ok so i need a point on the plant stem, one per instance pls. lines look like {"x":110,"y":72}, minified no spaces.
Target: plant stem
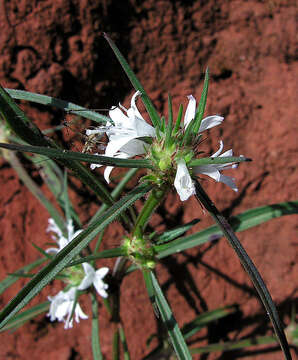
{"x":155,"y":198}
{"x":248,"y":265}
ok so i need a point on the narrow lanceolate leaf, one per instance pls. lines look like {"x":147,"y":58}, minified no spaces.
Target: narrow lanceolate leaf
{"x":109,"y":253}
{"x":169,"y":128}
{"x":40,"y":280}
{"x":136,"y":83}
{"x":11,"y":279}
{"x":169,"y":321}
{"x":73,"y":155}
{"x":96,"y":351}
{"x":27,"y":131}
{"x":248,"y":266}
{"x":26,"y":315}
{"x":124,"y":342}
{"x":218,"y":160}
{"x":202,"y":104}
{"x":60,"y":104}
{"x":18,"y":121}
{"x":205,"y":319}
{"x":244,"y":221}
{"x":173,"y":234}
{"x":178,"y":120}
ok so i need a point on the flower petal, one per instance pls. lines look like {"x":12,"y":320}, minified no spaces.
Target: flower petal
{"x":210,"y":121}
{"x":190,"y":111}
{"x":183,"y":181}
{"x":102,"y":272}
{"x":228,"y":180}
{"x":100,"y":287}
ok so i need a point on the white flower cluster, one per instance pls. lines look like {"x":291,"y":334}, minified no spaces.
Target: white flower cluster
{"x":62,"y":304}
{"x":124,"y":142}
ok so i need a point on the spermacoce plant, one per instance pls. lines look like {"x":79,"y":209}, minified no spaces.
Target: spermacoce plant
{"x":171,"y":153}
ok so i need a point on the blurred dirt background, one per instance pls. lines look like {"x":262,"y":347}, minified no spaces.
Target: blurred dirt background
{"x":56,"y":48}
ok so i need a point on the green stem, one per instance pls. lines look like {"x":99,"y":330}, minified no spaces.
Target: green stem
{"x":248,"y":265}
{"x":155,"y":198}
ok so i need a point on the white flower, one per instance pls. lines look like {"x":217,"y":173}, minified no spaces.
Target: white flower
{"x":59,"y":238}
{"x":183,"y":182}
{"x":207,"y":123}
{"x":124,"y":133}
{"x":213,"y":170}
{"x":61,"y":308}
{"x":95,"y":278}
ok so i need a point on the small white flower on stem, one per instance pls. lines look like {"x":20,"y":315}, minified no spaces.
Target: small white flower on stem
{"x":128,"y":125}
{"x":214,"y":170}
{"x":207,"y":123}
{"x":95,"y":278}
{"x":183,"y":181}
{"x":59,"y":238}
{"x":61,"y":308}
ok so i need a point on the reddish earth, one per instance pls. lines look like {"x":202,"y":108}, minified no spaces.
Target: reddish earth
{"x":55,"y":48}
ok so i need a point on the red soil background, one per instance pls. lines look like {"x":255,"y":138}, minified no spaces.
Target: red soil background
{"x":56,"y":48}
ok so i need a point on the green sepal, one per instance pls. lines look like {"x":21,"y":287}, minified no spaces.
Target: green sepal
{"x":202,"y":104}
{"x":178,"y":120}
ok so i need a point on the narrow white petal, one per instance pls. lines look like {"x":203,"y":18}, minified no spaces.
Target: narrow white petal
{"x":227,"y":153}
{"x":210,"y":121}
{"x":209,"y":170}
{"x":190,"y":110}
{"x":89,"y":269}
{"x":183,"y":182}
{"x":118,"y":117}
{"x":79,"y":313}
{"x":107,"y":173}
{"x":52,"y":250}
{"x":100,"y":287}
{"x":228,"y":180}
{"x":134,"y":106}
{"x":134,"y":147}
{"x":116,"y":142}
{"x":53,"y":227}
{"x":102,"y":272}
{"x":217,"y":153}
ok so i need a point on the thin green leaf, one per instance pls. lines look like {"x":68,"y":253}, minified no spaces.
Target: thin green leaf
{"x":109,"y":253}
{"x":169,"y":128}
{"x":202,"y":104}
{"x":218,"y":160}
{"x":116,"y":348}
{"x":248,"y":265}
{"x":178,"y":121}
{"x":135,"y":82}
{"x":27,"y":131}
{"x":241,"y":222}
{"x":44,"y":253}
{"x":64,"y":257}
{"x":169,"y":321}
{"x":66,"y":201}
{"x":124,"y":342}
{"x":173,"y":234}
{"x":26,"y":315}
{"x":60,"y":104}
{"x":73,"y":155}
{"x":10,"y":279}
{"x":96,"y":351}
{"x":205,"y":319}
